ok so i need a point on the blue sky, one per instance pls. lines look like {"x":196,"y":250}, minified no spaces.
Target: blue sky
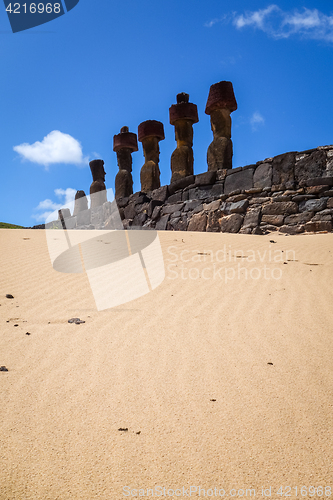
{"x":69,"y":85}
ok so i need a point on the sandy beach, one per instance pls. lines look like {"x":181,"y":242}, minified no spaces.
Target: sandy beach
{"x":222,"y":375}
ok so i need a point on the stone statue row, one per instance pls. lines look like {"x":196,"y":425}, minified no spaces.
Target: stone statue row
{"x":221,"y":103}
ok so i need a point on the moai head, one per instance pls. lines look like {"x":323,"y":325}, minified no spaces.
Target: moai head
{"x":97,"y":170}
{"x":182,"y":116}
{"x":124,"y":144}
{"x":81,"y":202}
{"x":220,"y":103}
{"x":97,"y":188}
{"x":150,"y":133}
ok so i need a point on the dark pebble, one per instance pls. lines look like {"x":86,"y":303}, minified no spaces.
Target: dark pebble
{"x":269,"y":363}
{"x":213,"y":399}
{"x":124,"y":430}
{"x":272,"y":241}
{"x":9,"y":296}
{"x":3,"y":369}
{"x":77,"y":321}
{"x":15,"y":325}
{"x":139,"y":432}
{"x":28,"y":333}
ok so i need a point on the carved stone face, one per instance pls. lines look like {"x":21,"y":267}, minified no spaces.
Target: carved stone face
{"x":184,"y":133}
{"x":220,"y":121}
{"x":151,"y":149}
{"x":124,"y":159}
{"x":97,"y":170}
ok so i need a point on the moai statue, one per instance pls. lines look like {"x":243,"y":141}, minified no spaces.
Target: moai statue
{"x":182,"y":116}
{"x":124,"y":144}
{"x":220,"y":103}
{"x":150,"y":133}
{"x":97,"y":188}
{"x":81,"y":202}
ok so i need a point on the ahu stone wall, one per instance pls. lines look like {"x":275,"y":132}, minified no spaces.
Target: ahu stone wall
{"x":291,"y":193}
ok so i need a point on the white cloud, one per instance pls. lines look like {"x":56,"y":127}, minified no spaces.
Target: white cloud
{"x":256,"y":18}
{"x":211,"y":23}
{"x":308,"y":23}
{"x":256,"y":120}
{"x":66,"y":196}
{"x":56,"y":147}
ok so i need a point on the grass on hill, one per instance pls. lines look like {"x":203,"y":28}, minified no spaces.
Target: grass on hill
{"x":5,"y":225}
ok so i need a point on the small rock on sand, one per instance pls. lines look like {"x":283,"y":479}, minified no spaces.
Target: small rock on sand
{"x":77,"y":321}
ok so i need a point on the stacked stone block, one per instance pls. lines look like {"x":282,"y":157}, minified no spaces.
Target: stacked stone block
{"x":241,"y":200}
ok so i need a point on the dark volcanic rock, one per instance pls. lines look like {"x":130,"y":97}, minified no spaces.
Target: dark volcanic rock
{"x":161,"y":224}
{"x":313,"y":205}
{"x":239,"y":207}
{"x":181,"y":184}
{"x":311,"y":166}
{"x":280,"y":208}
{"x":160,"y":194}
{"x":169,"y":209}
{"x":139,"y":219}
{"x":252,"y":218}
{"x":275,"y":220}
{"x":239,"y":180}
{"x":130,"y":211}
{"x":175,"y":197}
{"x":292,"y":229}
{"x":317,"y":226}
{"x":231,"y":223}
{"x":283,"y":169}
{"x":298,"y":218}
{"x":198,"y":222}
{"x":262,"y":176}
{"x":214,"y":221}
{"x":205,"y":179}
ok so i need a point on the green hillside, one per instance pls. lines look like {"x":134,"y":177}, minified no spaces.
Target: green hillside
{"x":5,"y":225}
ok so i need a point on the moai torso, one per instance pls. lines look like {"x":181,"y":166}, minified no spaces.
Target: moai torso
{"x":220,"y":104}
{"x":150,"y":133}
{"x":124,"y":144}
{"x":182,"y":116}
{"x":97,"y":188}
{"x":81,"y":202}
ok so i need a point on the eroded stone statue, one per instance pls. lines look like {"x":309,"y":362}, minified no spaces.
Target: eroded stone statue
{"x":81,"y":202}
{"x":183,"y":115}
{"x":124,"y":144}
{"x":97,"y":188}
{"x":150,"y":133}
{"x":221,"y":103}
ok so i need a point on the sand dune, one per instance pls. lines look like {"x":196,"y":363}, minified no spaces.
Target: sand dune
{"x":222,"y":375}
